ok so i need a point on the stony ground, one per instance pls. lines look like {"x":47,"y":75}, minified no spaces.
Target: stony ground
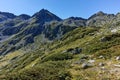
{"x":98,"y":69}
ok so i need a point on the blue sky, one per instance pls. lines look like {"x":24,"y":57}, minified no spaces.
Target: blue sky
{"x":62,"y":8}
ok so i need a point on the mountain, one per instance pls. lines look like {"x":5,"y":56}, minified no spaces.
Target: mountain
{"x":100,"y":19}
{"x":45,"y":16}
{"x":5,"y":16}
{"x":46,"y":47}
{"x":75,"y":21}
{"x":23,"y":29}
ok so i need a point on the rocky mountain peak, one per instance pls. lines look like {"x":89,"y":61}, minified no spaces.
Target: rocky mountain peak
{"x":5,"y":15}
{"x":44,"y":11}
{"x":76,"y":18}
{"x":24,"y":16}
{"x":8,"y":15}
{"x":118,"y":14}
{"x":98,"y":14}
{"x":46,"y":16}
{"x":75,"y":21}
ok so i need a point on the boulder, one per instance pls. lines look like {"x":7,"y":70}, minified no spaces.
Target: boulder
{"x":84,"y":57}
{"x":101,"y":57}
{"x":80,"y":61}
{"x":118,"y":58}
{"x":103,"y":39}
{"x":101,"y":64}
{"x":70,"y":50}
{"x":86,"y":65}
{"x":76,"y":50}
{"x":91,"y":61}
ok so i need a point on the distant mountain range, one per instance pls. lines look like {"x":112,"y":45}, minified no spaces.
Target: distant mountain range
{"x":22,"y":29}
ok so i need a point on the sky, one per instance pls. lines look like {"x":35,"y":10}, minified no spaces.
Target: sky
{"x":62,"y":8}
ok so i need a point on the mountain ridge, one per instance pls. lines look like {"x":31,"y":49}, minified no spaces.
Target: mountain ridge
{"x":47,"y":24}
{"x":46,"y":47}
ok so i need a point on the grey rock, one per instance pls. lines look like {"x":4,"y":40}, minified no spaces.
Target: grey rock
{"x":80,"y":61}
{"x":118,"y":58}
{"x":91,"y":61}
{"x":101,"y":57}
{"x":86,"y":65}
{"x":76,"y":50}
{"x":103,"y":39}
{"x":101,"y":64}
{"x":84,"y":57}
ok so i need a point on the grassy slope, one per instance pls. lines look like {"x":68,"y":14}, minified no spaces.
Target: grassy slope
{"x":50,"y":64}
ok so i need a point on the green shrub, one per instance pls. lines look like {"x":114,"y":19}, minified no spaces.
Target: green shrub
{"x":97,"y":45}
{"x":46,"y":71}
{"x":57,"y":57}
